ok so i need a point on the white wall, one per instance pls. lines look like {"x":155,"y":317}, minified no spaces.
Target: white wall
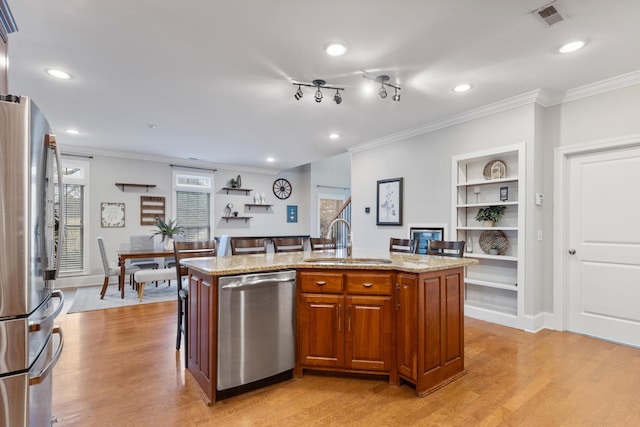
{"x":105,"y":171}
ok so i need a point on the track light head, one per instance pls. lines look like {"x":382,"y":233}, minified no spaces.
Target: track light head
{"x":396,"y":96}
{"x":382,"y":92}
{"x":318,"y":96}
{"x":298,"y":94}
{"x":337,"y":98}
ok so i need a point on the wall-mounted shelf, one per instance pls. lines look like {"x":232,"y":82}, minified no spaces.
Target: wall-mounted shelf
{"x":253,"y":205}
{"x":245,"y":218}
{"x":123,"y":185}
{"x":246,"y":190}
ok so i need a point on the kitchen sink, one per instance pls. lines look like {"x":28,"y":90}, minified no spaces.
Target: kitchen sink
{"x":348,"y":260}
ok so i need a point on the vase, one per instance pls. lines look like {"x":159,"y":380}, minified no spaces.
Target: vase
{"x":488,"y":223}
{"x":168,"y":243}
{"x":494,"y":251}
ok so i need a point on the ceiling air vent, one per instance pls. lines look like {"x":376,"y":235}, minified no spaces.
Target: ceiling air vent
{"x":549,"y":14}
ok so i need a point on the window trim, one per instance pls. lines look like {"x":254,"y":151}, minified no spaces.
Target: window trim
{"x":85,"y":218}
{"x":195,"y":189}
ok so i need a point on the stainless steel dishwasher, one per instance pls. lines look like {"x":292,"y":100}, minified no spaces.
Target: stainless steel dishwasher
{"x":256,"y":327}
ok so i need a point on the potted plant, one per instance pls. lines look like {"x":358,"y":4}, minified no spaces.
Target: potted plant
{"x":490,"y":215}
{"x":233,"y":182}
{"x":167,"y":229}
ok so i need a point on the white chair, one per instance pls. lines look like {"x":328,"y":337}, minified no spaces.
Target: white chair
{"x":111,"y":271}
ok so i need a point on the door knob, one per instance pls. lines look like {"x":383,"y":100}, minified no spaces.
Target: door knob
{"x":572,"y":251}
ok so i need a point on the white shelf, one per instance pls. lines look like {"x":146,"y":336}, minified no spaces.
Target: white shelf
{"x":480,"y":205}
{"x":487,"y":181}
{"x":489,"y":256}
{"x":494,"y":288}
{"x":488,"y":228}
{"x":506,"y":286}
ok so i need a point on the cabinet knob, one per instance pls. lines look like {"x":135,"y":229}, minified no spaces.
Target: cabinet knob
{"x":572,"y":251}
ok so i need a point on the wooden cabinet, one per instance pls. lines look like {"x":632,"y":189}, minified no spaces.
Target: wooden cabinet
{"x":202,"y":332}
{"x":430,"y":328}
{"x":345,"y":321}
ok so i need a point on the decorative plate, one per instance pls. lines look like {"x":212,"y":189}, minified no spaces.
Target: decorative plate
{"x":112,"y":215}
{"x":494,"y":239}
{"x":487,"y":169}
{"x":282,"y":188}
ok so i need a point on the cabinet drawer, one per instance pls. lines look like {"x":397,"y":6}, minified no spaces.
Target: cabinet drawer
{"x":370,"y":283}
{"x":321,"y":282}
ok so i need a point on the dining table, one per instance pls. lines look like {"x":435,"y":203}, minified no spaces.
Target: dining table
{"x":124,"y":255}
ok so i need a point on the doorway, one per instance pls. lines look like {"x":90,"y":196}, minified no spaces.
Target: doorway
{"x":598,"y":257}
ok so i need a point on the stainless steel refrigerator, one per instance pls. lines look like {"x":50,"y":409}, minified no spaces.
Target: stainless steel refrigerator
{"x":31,"y":231}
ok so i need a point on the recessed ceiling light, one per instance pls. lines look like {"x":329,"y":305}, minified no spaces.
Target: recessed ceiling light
{"x":270,"y":159}
{"x":72,"y":131}
{"x":571,"y":46}
{"x":152,"y":125}
{"x":58,"y":74}
{"x":336,"y":49}
{"x":334,"y":135}
{"x":462,"y":87}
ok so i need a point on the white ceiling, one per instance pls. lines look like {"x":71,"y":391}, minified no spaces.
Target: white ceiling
{"x":215,"y":76}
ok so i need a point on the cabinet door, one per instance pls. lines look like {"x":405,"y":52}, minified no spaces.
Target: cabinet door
{"x":321,"y":330}
{"x":406,"y":325}
{"x":368,"y":342}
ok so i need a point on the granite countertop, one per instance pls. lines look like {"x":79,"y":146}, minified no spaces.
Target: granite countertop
{"x":330,"y":259}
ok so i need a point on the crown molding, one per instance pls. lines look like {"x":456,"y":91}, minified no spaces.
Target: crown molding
{"x":602,"y":86}
{"x":78,"y":150}
{"x":542,"y":97}
{"x":476,"y":113}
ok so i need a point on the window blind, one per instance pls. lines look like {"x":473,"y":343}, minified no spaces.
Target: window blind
{"x":193,"y":215}
{"x":73,"y":247}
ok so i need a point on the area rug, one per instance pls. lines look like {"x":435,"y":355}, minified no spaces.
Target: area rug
{"x":88,"y":298}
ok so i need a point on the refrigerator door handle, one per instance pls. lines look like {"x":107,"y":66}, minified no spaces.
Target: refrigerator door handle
{"x":43,"y":374}
{"x":52,"y":274}
{"x":36,"y":326}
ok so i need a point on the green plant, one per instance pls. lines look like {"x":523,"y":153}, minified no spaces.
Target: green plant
{"x":167,"y":228}
{"x":490,"y":213}
{"x":233,"y":182}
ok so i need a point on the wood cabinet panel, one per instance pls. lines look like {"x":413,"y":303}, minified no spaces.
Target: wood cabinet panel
{"x":407,"y":325}
{"x":203,"y":332}
{"x":320,"y":282}
{"x":369,"y":283}
{"x":321,"y":330}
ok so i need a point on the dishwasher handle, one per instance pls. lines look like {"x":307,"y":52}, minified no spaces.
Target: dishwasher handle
{"x":243,"y":285}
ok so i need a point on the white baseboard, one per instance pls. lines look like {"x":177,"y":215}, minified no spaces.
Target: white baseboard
{"x":80,"y":281}
{"x":538,"y":322}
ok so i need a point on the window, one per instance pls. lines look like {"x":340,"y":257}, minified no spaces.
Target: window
{"x":74,"y":198}
{"x":193,"y":204}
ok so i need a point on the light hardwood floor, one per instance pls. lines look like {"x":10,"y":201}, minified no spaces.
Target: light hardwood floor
{"x":119,"y":367}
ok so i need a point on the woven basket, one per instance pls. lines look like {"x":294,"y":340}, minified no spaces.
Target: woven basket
{"x":494,"y":238}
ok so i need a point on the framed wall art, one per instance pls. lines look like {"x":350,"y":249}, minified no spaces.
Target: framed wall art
{"x":292,"y":213}
{"x":112,"y":215}
{"x":389,"y":202}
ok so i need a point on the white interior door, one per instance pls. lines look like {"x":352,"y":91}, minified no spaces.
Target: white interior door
{"x":603,"y":294}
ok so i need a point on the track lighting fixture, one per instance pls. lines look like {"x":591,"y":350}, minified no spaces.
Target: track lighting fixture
{"x":337,"y":98}
{"x":384,"y":81}
{"x":318,"y":84}
{"x":396,"y":96}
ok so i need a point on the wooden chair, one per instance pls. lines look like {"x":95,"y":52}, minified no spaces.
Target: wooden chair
{"x":111,"y":271}
{"x":406,"y":246}
{"x":181,"y":251}
{"x":444,"y":248}
{"x":248,"y":245}
{"x":320,"y":244}
{"x":288,"y":244}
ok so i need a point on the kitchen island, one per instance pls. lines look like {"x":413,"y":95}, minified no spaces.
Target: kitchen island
{"x":391,"y":314}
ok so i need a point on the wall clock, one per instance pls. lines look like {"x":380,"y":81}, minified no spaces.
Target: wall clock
{"x":282,"y":188}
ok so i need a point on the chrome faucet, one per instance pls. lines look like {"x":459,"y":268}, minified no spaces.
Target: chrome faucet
{"x":335,"y":221}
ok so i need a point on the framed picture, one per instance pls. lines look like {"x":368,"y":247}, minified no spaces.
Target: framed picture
{"x":112,"y":215}
{"x":292,"y":213}
{"x":504,"y":194}
{"x":389,"y":202}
